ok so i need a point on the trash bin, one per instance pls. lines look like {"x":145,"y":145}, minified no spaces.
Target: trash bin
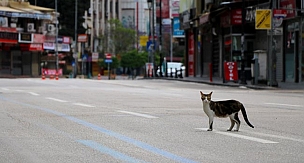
{"x":260,"y":57}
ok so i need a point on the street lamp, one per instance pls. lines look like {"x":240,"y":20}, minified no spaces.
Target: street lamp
{"x":243,"y":78}
{"x":56,"y":37}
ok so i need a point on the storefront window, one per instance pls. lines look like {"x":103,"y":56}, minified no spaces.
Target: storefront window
{"x":302,"y":47}
{"x":5,"y":62}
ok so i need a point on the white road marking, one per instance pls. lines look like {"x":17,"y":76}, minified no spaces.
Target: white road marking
{"x":275,"y":136}
{"x":54,"y":99}
{"x":85,"y":105}
{"x":138,"y":114}
{"x":5,"y":89}
{"x":34,"y":94}
{"x":264,"y":141}
{"x":283,"y":104}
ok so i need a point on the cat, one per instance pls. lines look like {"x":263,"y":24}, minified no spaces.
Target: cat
{"x":222,"y":109}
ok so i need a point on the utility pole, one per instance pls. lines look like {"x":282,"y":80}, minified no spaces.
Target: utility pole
{"x":75,"y":39}
{"x":160,"y":38}
{"x":272,"y":53}
{"x":56,"y":36}
{"x":243,"y":78}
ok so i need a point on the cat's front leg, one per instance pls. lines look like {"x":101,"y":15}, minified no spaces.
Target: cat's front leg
{"x":210,"y":123}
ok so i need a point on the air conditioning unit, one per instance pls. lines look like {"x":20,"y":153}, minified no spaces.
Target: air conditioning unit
{"x":3,"y":22}
{"x":50,"y":27}
{"x":31,"y":27}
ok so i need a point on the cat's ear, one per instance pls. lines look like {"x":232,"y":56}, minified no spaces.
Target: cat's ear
{"x":210,"y":93}
{"x":201,"y":93}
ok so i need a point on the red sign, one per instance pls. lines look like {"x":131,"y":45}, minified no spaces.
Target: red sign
{"x":38,"y":38}
{"x":47,"y":71}
{"x":31,"y":47}
{"x":165,"y":8}
{"x":191,"y":54}
{"x":8,"y":29}
{"x":108,"y":56}
{"x":231,"y":71}
{"x":236,"y":17}
{"x":290,"y":6}
{"x":82,"y":38}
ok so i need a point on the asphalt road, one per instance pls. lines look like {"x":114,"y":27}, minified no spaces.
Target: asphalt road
{"x":79,"y":120}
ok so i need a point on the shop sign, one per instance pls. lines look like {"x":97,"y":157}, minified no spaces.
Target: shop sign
{"x":25,"y":38}
{"x":61,"y":47}
{"x":290,"y":6}
{"x":82,"y":37}
{"x":177,"y":32}
{"x":66,"y":40}
{"x":6,"y":37}
{"x":236,"y":17}
{"x":31,"y":47}
{"x":174,"y":8}
{"x":165,"y":9}
{"x":231,"y":71}
{"x":191,"y":54}
{"x":8,"y":29}
{"x":95,"y":57}
{"x":38,"y":38}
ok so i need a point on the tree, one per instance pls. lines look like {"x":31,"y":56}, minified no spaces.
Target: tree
{"x":133,"y":60}
{"x":117,"y":39}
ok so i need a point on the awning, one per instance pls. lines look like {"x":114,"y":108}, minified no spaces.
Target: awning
{"x":8,"y":9}
{"x":25,"y":6}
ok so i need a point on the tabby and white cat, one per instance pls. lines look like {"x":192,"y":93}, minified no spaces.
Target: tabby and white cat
{"x":222,"y":109}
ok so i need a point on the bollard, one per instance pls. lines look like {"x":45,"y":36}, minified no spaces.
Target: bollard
{"x":171,"y":74}
{"x":99,"y":77}
{"x":176,"y":73}
{"x":210,"y":71}
{"x":43,"y":77}
{"x":181,"y":73}
{"x":57,"y":78}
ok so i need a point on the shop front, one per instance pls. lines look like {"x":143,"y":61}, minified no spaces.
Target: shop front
{"x":8,"y":41}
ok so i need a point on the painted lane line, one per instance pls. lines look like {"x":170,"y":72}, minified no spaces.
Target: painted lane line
{"x":138,"y":114}
{"x":33,"y":93}
{"x":275,"y":136}
{"x":113,"y":134}
{"x":108,"y":151}
{"x":84,"y":105}
{"x":54,"y":99}
{"x":283,"y":104}
{"x":264,"y":141}
{"x":5,"y":89}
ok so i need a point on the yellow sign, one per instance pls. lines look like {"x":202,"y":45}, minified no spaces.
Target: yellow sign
{"x":263,"y":19}
{"x":143,"y":40}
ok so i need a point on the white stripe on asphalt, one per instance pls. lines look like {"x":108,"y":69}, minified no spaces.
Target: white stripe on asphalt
{"x":138,"y":114}
{"x":84,"y":105}
{"x":55,"y":99}
{"x":34,"y":94}
{"x":283,"y":104}
{"x":241,"y":136}
{"x":5,"y":89}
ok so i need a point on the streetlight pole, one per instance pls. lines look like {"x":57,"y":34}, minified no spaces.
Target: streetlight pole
{"x":56,"y":36}
{"x":160,"y":38}
{"x":75,"y":39}
{"x":151,"y":4}
{"x":243,"y":78}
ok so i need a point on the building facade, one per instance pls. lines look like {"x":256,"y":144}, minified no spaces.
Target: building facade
{"x":214,"y":32}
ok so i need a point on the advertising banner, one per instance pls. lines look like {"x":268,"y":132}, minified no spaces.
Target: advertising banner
{"x":177,"y":32}
{"x":191,"y":54}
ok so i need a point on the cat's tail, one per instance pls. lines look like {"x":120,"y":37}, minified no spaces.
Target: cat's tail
{"x":245,"y":116}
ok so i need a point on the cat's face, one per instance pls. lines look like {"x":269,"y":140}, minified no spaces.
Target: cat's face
{"x":206,"y":98}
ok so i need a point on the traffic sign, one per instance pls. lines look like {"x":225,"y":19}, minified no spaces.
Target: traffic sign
{"x":108,"y":56}
{"x":263,"y":19}
{"x":108,"y":60}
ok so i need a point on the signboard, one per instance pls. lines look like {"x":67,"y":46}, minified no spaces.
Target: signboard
{"x":177,"y":32}
{"x":149,"y":69}
{"x":108,"y":58}
{"x":174,"y":8}
{"x":47,"y":71}
{"x":95,"y":57}
{"x":191,"y":54}
{"x":278,"y":17}
{"x":25,"y":38}
{"x":231,"y":71}
{"x":82,"y":37}
{"x":263,"y":19}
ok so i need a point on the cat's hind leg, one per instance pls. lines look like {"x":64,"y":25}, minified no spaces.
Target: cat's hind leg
{"x":231,"y":117}
{"x":210,"y":123}
{"x":238,"y":122}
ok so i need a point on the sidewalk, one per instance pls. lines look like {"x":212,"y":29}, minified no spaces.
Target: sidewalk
{"x":219,"y":82}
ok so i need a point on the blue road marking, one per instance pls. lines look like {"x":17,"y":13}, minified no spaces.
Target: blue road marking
{"x":109,"y":151}
{"x":132,"y":141}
